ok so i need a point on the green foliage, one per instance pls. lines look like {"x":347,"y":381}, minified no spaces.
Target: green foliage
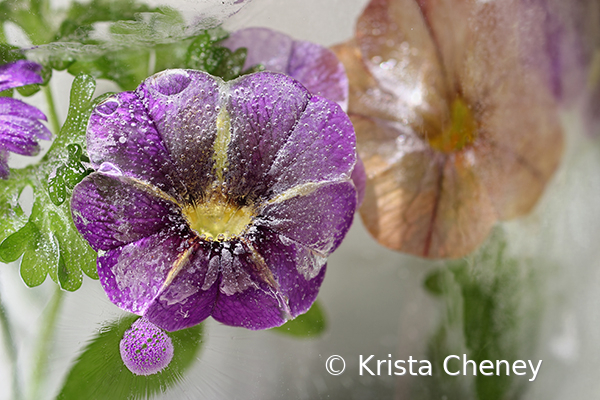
{"x":139,"y":41}
{"x":139,"y":47}
{"x":67,"y":175}
{"x":99,"y":372}
{"x":205,"y":54}
{"x":80,"y":18}
{"x":12,"y":217}
{"x":49,"y":241}
{"x":311,"y":324}
{"x":490,"y":313}
{"x":9,"y":53}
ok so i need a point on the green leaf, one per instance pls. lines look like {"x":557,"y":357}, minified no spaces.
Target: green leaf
{"x":15,"y":245}
{"x":57,"y":189}
{"x":125,"y":57}
{"x":56,"y":249}
{"x":9,"y":53}
{"x":205,"y":54}
{"x":155,"y":27}
{"x":12,"y":217}
{"x":67,"y":175}
{"x":311,"y":324}
{"x":127,"y":68}
{"x":40,"y":257}
{"x":81,"y":17}
{"x":99,"y":372}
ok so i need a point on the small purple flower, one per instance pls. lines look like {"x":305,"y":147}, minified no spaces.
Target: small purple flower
{"x":216,"y":198}
{"x":313,"y":65}
{"x":145,"y":348}
{"x":19,"y":122}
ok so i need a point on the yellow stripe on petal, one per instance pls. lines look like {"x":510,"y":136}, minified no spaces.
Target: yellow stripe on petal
{"x":303,"y":189}
{"x":222,"y":143}
{"x":178,"y":265}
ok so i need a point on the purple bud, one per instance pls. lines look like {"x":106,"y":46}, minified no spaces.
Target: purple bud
{"x":145,"y":348}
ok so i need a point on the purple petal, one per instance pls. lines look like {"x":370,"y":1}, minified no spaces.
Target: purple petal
{"x":184,"y":105}
{"x":23,"y":126}
{"x":4,"y":170}
{"x":317,"y":217}
{"x":133,"y":275}
{"x":246,"y":297}
{"x":359,"y":177}
{"x":189,"y":298}
{"x":290,"y":263}
{"x":263,"y":109}
{"x":145,"y":348}
{"x":10,"y":106}
{"x":19,"y":73}
{"x":121,"y":133}
{"x":315,"y":66}
{"x":113,"y":211}
{"x":323,"y":132}
{"x":265,"y":46}
{"x":13,"y":139}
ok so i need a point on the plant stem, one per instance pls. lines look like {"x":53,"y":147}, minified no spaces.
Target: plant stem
{"x":42,"y":350}
{"x":2,"y":34}
{"x":11,"y":350}
{"x":52,"y":108}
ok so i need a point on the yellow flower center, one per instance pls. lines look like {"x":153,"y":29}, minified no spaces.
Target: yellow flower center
{"x":459,"y":132}
{"x":218,"y":219}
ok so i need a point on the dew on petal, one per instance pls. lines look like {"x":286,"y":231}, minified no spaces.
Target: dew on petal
{"x":109,"y":168}
{"x":171,"y":82}
{"x":108,"y":107}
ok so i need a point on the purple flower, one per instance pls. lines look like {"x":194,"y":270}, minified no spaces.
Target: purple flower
{"x":313,"y":65}
{"x":216,"y":198}
{"x":145,"y":348}
{"x":19,"y":122}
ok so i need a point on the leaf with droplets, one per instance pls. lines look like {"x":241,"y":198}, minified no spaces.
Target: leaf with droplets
{"x":49,"y":242}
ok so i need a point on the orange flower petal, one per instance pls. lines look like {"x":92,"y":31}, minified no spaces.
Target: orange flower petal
{"x":417,"y":200}
{"x":397,"y":49}
{"x":455,"y":123}
{"x":520,"y":145}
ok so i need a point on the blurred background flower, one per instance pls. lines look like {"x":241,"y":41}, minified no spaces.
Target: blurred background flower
{"x":457,"y":129}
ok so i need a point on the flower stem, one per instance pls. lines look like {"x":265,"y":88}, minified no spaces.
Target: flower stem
{"x":42,"y":350}
{"x":2,"y":34}
{"x":11,"y":350}
{"x":52,"y":108}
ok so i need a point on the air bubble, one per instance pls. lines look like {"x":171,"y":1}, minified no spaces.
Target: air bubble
{"x":107,"y":107}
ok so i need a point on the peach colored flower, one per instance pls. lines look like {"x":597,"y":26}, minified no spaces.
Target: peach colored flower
{"x":455,"y":122}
